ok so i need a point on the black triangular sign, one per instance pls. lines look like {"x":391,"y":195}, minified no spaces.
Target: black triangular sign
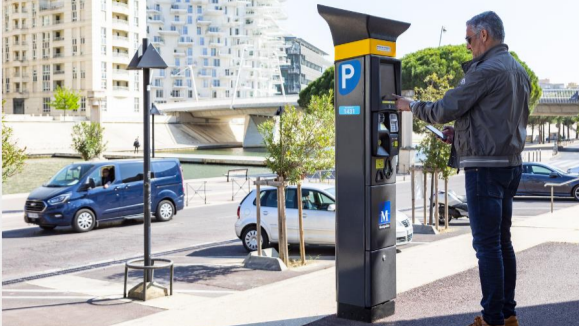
{"x":134,"y":62}
{"x":151,"y":59}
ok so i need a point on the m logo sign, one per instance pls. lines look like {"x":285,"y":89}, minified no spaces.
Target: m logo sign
{"x":348,"y":76}
{"x":385,"y":215}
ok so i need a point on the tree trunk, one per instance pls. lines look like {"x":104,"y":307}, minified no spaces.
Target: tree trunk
{"x":549,"y":135}
{"x":446,"y":203}
{"x":431,"y":198}
{"x":258,"y":215}
{"x":436,"y":214}
{"x":301,"y":221}
{"x":532,"y":133}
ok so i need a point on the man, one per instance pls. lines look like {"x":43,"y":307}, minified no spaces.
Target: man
{"x":106,"y":179}
{"x":136,"y":144}
{"x":490,"y":106}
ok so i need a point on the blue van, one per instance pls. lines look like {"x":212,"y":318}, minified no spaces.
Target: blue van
{"x":82,"y":195}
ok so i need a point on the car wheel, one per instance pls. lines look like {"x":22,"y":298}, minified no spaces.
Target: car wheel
{"x":165,"y":211}
{"x":575,"y":193}
{"x":47,"y":227}
{"x":84,"y":220}
{"x":249,"y":238}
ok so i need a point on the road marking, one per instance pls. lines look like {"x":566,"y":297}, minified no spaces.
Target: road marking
{"x":96,"y":291}
{"x":49,"y":298}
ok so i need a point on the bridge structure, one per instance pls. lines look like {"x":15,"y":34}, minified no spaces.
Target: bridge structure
{"x":558,"y":102}
{"x":219,"y":111}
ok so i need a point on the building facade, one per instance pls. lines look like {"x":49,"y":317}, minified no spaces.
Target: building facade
{"x":84,"y":45}
{"x":216,"y":48}
{"x":307,"y":63}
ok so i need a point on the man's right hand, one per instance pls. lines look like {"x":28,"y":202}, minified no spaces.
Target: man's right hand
{"x":448,"y":131}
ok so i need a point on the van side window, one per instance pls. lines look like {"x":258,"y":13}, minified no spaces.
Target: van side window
{"x":104,"y":175}
{"x":164,"y":169}
{"x":131,"y":172}
{"x":269,"y":198}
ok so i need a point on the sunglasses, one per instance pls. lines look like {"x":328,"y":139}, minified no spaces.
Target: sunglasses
{"x":469,"y":38}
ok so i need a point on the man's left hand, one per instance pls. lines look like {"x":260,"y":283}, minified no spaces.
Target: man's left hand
{"x":402,"y":103}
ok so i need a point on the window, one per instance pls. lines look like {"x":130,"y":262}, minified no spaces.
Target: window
{"x":190,"y":20}
{"x":46,"y":104}
{"x":540,"y":170}
{"x":314,"y":200}
{"x":159,"y":93}
{"x":104,"y":104}
{"x":137,"y":104}
{"x":198,"y":30}
{"x":99,"y":178}
{"x":74,"y":73}
{"x":190,"y":9}
{"x":213,"y":52}
{"x":201,"y":41}
{"x":103,"y":70}
{"x":164,"y":169}
{"x":217,"y":62}
{"x":269,"y":198}
{"x":205,"y":62}
{"x":199,"y":9}
{"x":83,"y":104}
{"x":136,"y":83}
{"x":177,"y":62}
{"x":185,"y":30}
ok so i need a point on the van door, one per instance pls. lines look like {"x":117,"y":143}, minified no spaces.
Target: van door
{"x":132,"y":184}
{"x":106,"y":202}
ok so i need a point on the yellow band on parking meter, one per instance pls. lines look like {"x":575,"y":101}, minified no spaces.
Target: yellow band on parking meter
{"x":364,"y":47}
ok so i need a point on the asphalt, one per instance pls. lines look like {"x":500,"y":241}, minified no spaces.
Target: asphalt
{"x":544,"y":297}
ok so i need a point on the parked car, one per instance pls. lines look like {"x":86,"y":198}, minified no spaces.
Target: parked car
{"x":536,"y":175}
{"x":319,"y":212}
{"x":82,"y":195}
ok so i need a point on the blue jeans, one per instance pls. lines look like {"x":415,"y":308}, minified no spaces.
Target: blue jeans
{"x":490,"y":194}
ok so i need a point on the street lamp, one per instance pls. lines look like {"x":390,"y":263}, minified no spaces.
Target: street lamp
{"x":442,"y":30}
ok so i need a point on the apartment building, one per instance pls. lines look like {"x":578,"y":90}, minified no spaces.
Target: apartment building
{"x":84,"y":45}
{"x":216,"y":48}
{"x":307,"y":64}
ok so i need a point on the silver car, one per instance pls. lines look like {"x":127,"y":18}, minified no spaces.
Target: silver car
{"x":319,"y":212}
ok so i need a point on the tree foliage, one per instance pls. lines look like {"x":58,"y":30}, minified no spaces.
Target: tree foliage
{"x":302,"y":144}
{"x":65,"y":99}
{"x":13,"y":157}
{"x":87,"y":140}
{"x":437,"y":153}
{"x":319,"y":87}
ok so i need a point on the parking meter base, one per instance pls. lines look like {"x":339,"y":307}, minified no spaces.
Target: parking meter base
{"x":367,"y":315}
{"x":154,"y":290}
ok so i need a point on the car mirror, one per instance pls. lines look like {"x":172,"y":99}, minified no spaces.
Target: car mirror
{"x":89,"y":184}
{"x":332,"y":208}
{"x":554,"y":175}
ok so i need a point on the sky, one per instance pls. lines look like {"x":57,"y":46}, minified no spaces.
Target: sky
{"x":545,"y":34}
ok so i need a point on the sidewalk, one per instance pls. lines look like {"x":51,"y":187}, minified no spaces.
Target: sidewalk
{"x":437,"y":285}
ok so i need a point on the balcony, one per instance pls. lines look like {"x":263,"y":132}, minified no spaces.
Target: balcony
{"x":214,"y":12}
{"x":156,"y":20}
{"x":120,"y":7}
{"x":186,"y":41}
{"x":51,"y":6}
{"x":178,"y":22}
{"x":153,"y":9}
{"x":121,"y":74}
{"x":203,"y":21}
{"x":179,"y":53}
{"x":57,"y":22}
{"x":158,"y":41}
{"x":58,"y":55}
{"x":58,"y":39}
{"x":121,"y":88}
{"x":176,"y":9}
{"x":124,"y":22}
{"x":216,"y":44}
{"x":121,"y":38}
{"x":181,"y":86}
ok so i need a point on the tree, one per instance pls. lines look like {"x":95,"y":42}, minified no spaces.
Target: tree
{"x":13,"y":157}
{"x":304,"y":146}
{"x":447,"y":61}
{"x":87,"y":140}
{"x":318,"y":87}
{"x":65,"y":99}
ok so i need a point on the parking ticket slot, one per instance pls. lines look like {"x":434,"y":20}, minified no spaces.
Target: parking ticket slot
{"x":367,"y":145}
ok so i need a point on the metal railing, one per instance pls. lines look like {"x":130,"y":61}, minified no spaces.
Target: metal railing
{"x":553,"y":185}
{"x":534,"y":155}
{"x":322,"y":175}
{"x":559,"y":96}
{"x":199,"y":190}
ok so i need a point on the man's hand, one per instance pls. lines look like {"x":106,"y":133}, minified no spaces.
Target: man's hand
{"x":448,"y":131}
{"x":402,"y":103}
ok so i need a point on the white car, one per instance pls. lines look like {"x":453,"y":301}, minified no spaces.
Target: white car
{"x":319,"y":212}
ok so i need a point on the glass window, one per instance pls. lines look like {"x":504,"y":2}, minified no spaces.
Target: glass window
{"x":269,"y":198}
{"x":314,"y":200}
{"x":540,"y":170}
{"x":69,"y":175}
{"x":131,"y":172}
{"x":164,"y":169}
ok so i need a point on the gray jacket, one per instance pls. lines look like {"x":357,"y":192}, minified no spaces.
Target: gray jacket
{"x":491,"y":109}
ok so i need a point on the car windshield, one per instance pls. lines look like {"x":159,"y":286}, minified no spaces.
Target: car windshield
{"x":331,"y":191}
{"x":69,"y":176}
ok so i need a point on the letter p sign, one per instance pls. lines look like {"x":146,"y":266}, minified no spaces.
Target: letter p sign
{"x":348,"y":76}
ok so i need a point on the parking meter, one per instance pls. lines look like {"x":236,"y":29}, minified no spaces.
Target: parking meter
{"x":367,"y":144}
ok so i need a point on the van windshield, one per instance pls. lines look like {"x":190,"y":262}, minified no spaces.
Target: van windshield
{"x":69,"y":175}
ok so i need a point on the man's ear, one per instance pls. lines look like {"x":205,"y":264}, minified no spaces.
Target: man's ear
{"x":484,"y":35}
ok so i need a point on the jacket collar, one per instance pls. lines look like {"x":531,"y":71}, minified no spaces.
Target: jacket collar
{"x":494,"y":51}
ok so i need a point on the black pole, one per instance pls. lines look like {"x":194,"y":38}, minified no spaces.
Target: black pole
{"x":147,"y":164}
{"x":153,"y":141}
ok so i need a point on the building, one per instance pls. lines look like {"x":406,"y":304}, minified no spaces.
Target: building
{"x":546,"y":84}
{"x":84,"y":45}
{"x":216,"y":48}
{"x":307,"y":64}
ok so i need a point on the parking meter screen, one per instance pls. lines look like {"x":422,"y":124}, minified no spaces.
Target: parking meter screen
{"x":387,"y":83}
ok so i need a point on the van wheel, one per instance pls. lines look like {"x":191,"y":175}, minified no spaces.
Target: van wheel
{"x":84,"y":220}
{"x":249,"y":238}
{"x":575,"y":193}
{"x":165,"y":211}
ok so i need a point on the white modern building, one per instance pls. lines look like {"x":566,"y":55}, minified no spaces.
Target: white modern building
{"x":307,"y":63}
{"x":216,"y":49}
{"x":84,"y":45}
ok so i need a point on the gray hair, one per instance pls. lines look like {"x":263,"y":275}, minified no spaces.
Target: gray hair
{"x":489,"y":21}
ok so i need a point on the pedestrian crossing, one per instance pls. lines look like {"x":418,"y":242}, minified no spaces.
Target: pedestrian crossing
{"x":565,"y":165}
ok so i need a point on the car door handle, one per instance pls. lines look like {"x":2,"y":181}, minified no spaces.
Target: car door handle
{"x":116,"y":188}
{"x":265,"y":212}
{"x":304,"y":215}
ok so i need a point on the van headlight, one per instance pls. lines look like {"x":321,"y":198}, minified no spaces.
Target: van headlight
{"x":59,"y":199}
